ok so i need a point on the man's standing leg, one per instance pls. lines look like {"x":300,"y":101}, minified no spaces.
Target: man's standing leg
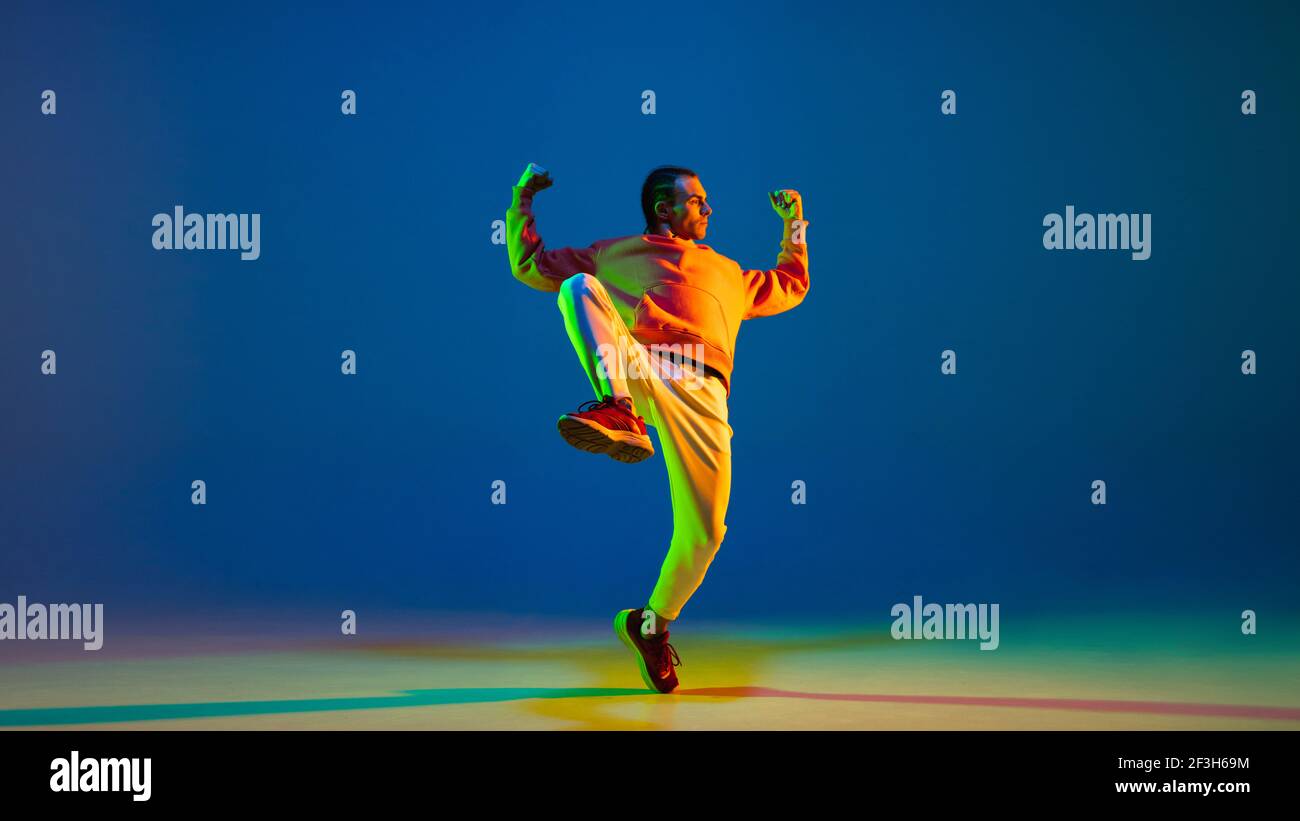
{"x":695,"y":439}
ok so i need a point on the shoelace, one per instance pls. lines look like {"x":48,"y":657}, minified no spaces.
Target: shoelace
{"x":672,"y":653}
{"x":595,"y":404}
{"x":600,"y":404}
{"x":668,"y":658}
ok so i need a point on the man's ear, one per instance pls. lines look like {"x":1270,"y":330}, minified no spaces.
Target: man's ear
{"x":661,"y":211}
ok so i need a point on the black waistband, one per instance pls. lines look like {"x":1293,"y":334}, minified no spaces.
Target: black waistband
{"x":688,"y":362}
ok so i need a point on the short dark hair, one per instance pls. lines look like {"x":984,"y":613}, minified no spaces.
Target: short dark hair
{"x":660,"y":184}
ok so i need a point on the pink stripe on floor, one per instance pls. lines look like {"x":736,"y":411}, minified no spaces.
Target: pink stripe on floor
{"x":1095,"y":705}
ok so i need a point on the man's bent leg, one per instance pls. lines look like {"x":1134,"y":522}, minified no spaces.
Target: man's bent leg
{"x":695,"y":439}
{"x":616,"y":365}
{"x":598,"y":334}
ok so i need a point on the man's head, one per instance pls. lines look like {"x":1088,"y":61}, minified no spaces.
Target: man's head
{"x":672,"y":198}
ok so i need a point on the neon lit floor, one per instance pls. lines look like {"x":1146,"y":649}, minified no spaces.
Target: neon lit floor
{"x":431,"y":672}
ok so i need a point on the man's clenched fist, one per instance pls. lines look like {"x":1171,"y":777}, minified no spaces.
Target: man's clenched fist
{"x":535,"y":178}
{"x":787,"y":203}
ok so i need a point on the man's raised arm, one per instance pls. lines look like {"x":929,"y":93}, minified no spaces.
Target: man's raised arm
{"x":530,"y":262}
{"x":783,"y":287}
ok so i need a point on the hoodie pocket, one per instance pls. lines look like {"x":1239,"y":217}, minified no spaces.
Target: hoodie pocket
{"x":684,"y":308}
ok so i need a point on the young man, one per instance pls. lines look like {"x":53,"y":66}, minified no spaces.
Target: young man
{"x":654,"y":319}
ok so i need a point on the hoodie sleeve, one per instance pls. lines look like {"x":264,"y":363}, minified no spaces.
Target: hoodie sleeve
{"x":783,"y":287}
{"x":530,"y":262}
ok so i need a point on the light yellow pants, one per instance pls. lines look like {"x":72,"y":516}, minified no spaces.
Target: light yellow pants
{"x":689,"y":412}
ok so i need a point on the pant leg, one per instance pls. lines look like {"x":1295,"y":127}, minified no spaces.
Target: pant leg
{"x":601,"y":339}
{"x":695,"y":440}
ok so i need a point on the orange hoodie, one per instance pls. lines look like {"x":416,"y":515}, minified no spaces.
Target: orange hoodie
{"x":667,"y":290}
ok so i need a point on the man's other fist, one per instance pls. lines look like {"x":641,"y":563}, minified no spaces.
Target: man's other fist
{"x":535,"y":178}
{"x":787,"y":203}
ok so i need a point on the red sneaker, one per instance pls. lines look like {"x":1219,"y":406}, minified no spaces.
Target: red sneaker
{"x":605,"y":426}
{"x":654,"y":655}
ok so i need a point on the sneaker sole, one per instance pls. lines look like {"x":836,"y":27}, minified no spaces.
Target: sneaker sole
{"x":620,"y":627}
{"x":623,"y":446}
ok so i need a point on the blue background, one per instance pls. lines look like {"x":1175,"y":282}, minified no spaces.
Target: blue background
{"x":373,"y":491}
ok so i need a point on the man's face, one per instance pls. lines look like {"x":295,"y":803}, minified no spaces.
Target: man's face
{"x":688,"y":214}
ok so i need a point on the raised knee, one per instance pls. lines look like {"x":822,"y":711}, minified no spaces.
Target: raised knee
{"x":576,"y":287}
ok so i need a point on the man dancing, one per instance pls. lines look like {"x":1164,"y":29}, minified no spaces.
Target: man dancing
{"x":654,"y":319}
